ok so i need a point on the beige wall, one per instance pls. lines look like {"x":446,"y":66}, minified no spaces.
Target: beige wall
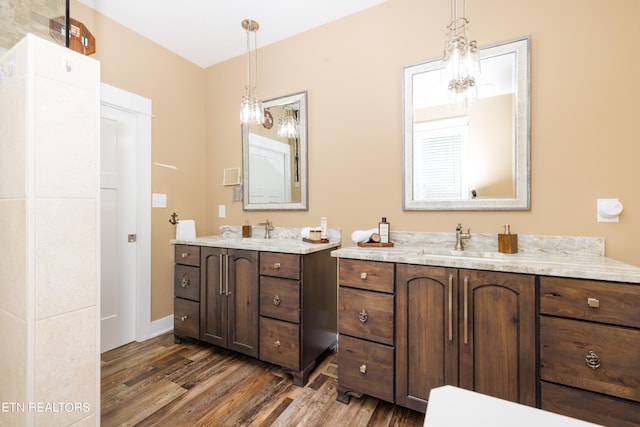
{"x":584,"y":142}
{"x":174,"y":85}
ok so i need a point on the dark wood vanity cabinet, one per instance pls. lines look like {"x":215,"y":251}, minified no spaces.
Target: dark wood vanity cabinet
{"x":365,"y":323}
{"x":590,"y":350}
{"x":468,"y":328}
{"x":278,"y":307}
{"x":186,"y":290}
{"x":229,"y":299}
{"x":297,"y":310}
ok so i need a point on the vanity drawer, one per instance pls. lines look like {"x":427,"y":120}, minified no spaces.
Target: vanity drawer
{"x":280,"y":298}
{"x":187,"y":255}
{"x":566,"y":344}
{"x":366,"y":314}
{"x":604,"y":302}
{"x":280,"y":265}
{"x":587,"y":406}
{"x":280,"y":343}
{"x":186,"y":318}
{"x":366,"y":367}
{"x":186,"y":282}
{"x":370,"y":275}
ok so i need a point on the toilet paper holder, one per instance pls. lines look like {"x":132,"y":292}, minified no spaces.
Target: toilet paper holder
{"x":174,"y":218}
{"x":609,"y":210}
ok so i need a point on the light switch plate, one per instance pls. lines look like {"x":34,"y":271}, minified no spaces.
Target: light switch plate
{"x":222,"y":211}
{"x":158,"y":200}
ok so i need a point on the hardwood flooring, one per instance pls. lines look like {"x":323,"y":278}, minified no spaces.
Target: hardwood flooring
{"x":157,"y":382}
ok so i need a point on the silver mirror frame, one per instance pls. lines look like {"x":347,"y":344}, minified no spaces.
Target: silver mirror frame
{"x":521,"y":201}
{"x":303,"y":205}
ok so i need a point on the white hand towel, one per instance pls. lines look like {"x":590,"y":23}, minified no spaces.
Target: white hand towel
{"x":360,"y":236}
{"x":186,"y":230}
{"x":304,"y":233}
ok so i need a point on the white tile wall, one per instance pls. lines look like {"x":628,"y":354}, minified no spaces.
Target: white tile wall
{"x":49,"y":309}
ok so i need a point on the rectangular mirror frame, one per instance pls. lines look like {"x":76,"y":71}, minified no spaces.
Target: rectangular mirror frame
{"x":521,"y":201}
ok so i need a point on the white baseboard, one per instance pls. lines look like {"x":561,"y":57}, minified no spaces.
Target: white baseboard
{"x":161,"y":326}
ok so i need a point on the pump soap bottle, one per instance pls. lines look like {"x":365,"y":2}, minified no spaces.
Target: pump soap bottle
{"x":383,"y":230}
{"x":507,"y":242}
{"x":246,"y":229}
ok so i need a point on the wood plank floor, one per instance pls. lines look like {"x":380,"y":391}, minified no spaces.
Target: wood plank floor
{"x":157,"y":382}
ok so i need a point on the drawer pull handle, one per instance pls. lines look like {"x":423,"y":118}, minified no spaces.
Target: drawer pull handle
{"x":276,"y":343}
{"x":363,"y":276}
{"x":184,"y":317}
{"x":276,"y":300}
{"x":184,"y":254}
{"x":185,"y":282}
{"x":363,"y":316}
{"x":276,"y":266}
{"x":593,"y":360}
{"x":363,"y":369}
{"x":593,"y":302}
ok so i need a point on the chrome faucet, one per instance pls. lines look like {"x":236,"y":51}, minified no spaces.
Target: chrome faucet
{"x":460,"y":236}
{"x":268,"y":226}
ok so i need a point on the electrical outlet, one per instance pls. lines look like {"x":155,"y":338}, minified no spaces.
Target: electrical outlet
{"x":222,"y":211}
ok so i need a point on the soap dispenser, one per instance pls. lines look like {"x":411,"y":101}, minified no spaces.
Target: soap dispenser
{"x":507,"y":242}
{"x":246,"y":229}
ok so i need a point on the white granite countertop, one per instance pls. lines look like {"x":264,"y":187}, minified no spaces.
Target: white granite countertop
{"x":575,"y":257}
{"x":283,"y":240}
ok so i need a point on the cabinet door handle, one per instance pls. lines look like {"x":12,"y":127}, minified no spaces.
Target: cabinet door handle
{"x":593,"y":302}
{"x":593,"y":360}
{"x":226,"y":274}
{"x":451,"y":307}
{"x":276,"y":343}
{"x":184,"y":317}
{"x":276,"y":266}
{"x":363,"y":316}
{"x":363,"y":369}
{"x":466,"y":310}
{"x":221,"y":270}
{"x":276,"y":300}
{"x":363,"y":276}
{"x":185,"y":281}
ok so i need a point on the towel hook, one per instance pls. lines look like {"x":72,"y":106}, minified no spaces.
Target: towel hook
{"x":174,"y":218}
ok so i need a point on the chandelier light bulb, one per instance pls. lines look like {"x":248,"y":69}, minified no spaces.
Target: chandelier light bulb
{"x":460,"y":61}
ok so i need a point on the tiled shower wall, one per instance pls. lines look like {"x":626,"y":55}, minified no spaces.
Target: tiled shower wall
{"x":49,"y":245}
{"x":19,"y":17}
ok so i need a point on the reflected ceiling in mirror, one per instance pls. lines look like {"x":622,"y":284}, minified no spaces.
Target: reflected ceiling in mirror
{"x":274,"y":159}
{"x":473,"y":158}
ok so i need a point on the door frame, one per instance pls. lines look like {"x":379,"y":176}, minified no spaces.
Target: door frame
{"x":120,"y":99}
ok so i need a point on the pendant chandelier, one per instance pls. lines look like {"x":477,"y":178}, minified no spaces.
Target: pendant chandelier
{"x":461,"y":62}
{"x":288,"y":124}
{"x":251,"y":111}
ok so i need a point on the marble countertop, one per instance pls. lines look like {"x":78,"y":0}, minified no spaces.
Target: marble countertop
{"x":580,"y":258}
{"x":291,"y":246}
{"x":283,"y":239}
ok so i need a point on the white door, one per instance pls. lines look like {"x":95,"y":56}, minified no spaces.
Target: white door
{"x":118,"y":227}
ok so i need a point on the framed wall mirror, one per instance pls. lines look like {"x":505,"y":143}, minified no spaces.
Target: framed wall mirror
{"x":274,"y":157}
{"x":471,"y":158}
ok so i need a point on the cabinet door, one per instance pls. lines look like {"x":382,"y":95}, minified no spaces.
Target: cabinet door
{"x":243,"y":301}
{"x":497,"y":334}
{"x":426,"y":332}
{"x":213,"y":298}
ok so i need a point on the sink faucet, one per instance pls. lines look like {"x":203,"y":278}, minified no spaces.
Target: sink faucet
{"x":460,"y":236}
{"x":268,"y":226}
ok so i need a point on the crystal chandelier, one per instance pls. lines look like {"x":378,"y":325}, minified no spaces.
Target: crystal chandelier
{"x":460,"y":63}
{"x":251,"y":111}
{"x":288,"y":124}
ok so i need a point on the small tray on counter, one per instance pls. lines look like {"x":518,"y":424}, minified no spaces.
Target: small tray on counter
{"x":375,"y":245}
{"x":304,"y":239}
